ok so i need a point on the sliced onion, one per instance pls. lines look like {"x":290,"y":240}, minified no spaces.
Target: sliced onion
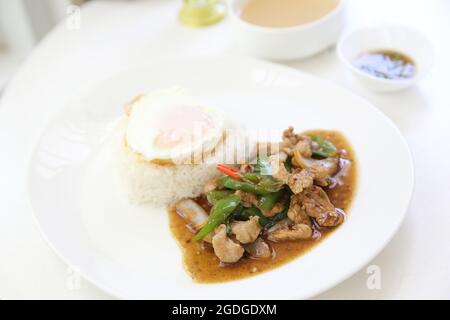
{"x":192,"y":212}
{"x":259,"y":249}
{"x":330,"y":164}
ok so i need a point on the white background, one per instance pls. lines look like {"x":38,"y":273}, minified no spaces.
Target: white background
{"x":115,"y":35}
{"x":22,"y":24}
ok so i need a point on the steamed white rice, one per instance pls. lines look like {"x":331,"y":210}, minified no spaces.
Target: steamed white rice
{"x":162,"y":185}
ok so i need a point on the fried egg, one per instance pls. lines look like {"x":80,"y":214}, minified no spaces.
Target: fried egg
{"x":170,"y":125}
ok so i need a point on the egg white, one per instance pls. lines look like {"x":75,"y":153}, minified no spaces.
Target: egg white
{"x":152,"y":114}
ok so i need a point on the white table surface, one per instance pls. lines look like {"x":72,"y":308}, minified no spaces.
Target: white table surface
{"x":115,"y":35}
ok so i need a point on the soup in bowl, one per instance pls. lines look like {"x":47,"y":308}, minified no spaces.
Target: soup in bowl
{"x":286,"y":29}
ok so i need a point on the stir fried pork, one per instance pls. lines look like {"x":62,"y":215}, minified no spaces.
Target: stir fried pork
{"x":318,"y":171}
{"x":246,"y":231}
{"x":242,"y":221}
{"x":286,"y":230}
{"x":226,"y":249}
{"x":290,"y":139}
{"x":293,"y":140}
{"x":300,"y":180}
{"x":297,"y":181}
{"x":318,"y":206}
{"x":297,"y":211}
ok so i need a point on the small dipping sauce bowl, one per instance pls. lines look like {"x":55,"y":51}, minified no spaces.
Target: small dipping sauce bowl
{"x":286,"y":43}
{"x":388,"y":38}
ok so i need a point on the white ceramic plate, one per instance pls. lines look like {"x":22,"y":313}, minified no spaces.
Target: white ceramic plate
{"x":129,"y":251}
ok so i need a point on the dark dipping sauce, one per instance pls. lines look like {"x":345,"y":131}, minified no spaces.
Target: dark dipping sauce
{"x":203,"y":265}
{"x":386,"y":64}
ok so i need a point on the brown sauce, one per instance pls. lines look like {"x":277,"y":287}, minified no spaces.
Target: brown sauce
{"x":386,"y":64}
{"x":285,"y":13}
{"x":204,"y":267}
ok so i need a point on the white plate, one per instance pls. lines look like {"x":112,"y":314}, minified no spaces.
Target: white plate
{"x":129,"y":251}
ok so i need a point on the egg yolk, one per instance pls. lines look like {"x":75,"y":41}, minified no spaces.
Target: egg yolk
{"x":182,"y":127}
